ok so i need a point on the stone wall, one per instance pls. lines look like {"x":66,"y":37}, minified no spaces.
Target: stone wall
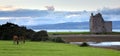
{"x":108,"y":26}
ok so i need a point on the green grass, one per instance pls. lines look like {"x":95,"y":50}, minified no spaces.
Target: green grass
{"x":7,"y":48}
{"x":69,"y":33}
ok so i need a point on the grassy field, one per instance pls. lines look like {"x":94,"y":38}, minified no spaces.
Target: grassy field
{"x":69,"y":33}
{"x":7,"y":48}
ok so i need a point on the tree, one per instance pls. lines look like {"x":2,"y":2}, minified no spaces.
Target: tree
{"x":8,"y":30}
{"x":40,"y":36}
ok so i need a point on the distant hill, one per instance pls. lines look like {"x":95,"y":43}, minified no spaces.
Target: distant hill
{"x":70,"y":25}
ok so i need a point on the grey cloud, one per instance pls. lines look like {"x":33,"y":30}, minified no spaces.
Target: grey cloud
{"x":23,"y":13}
{"x":37,"y":17}
{"x":108,"y":11}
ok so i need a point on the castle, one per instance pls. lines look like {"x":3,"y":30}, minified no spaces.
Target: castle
{"x":98,"y":25}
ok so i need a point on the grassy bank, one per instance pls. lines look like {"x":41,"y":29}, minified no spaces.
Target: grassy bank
{"x":69,"y":33}
{"x":7,"y":48}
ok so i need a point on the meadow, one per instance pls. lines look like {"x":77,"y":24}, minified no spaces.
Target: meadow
{"x":67,"y":33}
{"x":7,"y":48}
{"x":75,"y":33}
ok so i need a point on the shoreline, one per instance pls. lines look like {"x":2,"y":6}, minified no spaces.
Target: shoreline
{"x":113,"y":47}
{"x":71,"y":30}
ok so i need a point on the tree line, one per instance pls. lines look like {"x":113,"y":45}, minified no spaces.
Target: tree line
{"x":8,"y":30}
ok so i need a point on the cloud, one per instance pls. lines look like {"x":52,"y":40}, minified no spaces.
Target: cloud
{"x":28,"y":17}
{"x":50,"y":8}
{"x":111,"y":14}
{"x":7,"y":8}
{"x":23,"y":13}
{"x":111,"y":17}
{"x":39,"y":17}
{"x":110,"y":11}
{"x":70,"y":16}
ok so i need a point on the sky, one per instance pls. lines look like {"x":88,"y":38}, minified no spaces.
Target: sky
{"x":66,"y":5}
{"x":38,"y":12}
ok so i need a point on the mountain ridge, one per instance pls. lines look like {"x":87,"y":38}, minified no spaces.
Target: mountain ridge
{"x":71,"y":25}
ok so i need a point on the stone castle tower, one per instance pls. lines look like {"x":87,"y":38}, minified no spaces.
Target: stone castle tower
{"x":98,"y":25}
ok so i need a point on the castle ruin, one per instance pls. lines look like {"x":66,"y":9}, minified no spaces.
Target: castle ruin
{"x":98,"y":25}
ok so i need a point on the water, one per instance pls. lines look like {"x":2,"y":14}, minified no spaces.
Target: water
{"x":99,"y":44}
{"x":65,"y":30}
{"x":72,"y":30}
{"x":106,"y":44}
{"x":85,"y":30}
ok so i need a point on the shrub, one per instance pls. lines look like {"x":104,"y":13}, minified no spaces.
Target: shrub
{"x":57,"y":39}
{"x":40,"y":36}
{"x":84,"y":44}
{"x":8,"y":30}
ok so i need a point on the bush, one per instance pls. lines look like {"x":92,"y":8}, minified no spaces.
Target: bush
{"x":40,"y":36}
{"x":8,"y":30}
{"x":84,"y":44}
{"x":57,"y":39}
